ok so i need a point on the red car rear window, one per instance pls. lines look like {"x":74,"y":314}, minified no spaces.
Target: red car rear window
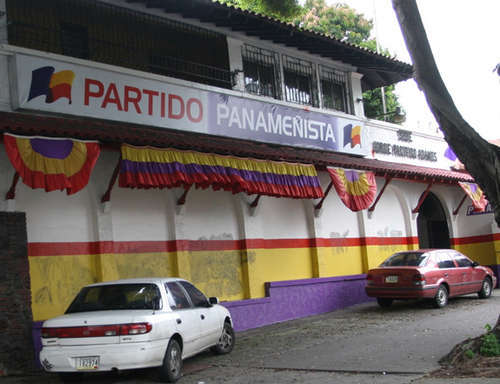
{"x":406,"y":259}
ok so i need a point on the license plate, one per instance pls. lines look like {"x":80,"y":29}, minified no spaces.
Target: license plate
{"x":391,"y":279}
{"x":87,"y":363}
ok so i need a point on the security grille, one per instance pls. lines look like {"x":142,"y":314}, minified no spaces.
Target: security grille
{"x":300,"y":81}
{"x":101,"y":32}
{"x":261,"y":71}
{"x":334,"y":89}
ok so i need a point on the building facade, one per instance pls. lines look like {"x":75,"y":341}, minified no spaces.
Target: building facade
{"x":195,"y":86}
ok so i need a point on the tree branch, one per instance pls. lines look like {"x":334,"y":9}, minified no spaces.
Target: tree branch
{"x":481,"y":159}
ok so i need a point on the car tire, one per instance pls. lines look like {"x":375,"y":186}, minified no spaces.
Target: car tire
{"x":226,"y":340}
{"x":441,"y":298}
{"x":486,"y":287}
{"x":384,"y":302}
{"x":171,"y":370}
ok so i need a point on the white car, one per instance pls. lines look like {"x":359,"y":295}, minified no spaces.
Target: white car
{"x":135,"y":323}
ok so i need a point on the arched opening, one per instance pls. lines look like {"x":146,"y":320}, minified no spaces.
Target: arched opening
{"x":432,"y":226}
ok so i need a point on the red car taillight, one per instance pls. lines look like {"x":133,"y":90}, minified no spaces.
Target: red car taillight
{"x":97,"y":330}
{"x":419,"y":279}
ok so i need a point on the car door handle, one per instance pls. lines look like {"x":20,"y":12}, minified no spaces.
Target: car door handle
{"x":178,"y":321}
{"x":445,"y":275}
{"x":202,"y":317}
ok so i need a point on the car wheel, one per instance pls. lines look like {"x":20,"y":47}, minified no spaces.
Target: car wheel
{"x":226,"y":340}
{"x":441,"y":298}
{"x":485,"y":291}
{"x":170,"y":371}
{"x":384,"y":302}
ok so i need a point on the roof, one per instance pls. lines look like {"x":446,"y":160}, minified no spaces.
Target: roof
{"x":111,"y":135}
{"x":378,"y":70}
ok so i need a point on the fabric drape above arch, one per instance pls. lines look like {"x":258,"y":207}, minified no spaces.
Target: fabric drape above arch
{"x":148,"y":167}
{"x":52,"y":163}
{"x":356,"y":189}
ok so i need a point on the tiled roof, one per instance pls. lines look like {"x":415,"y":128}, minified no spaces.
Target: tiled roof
{"x":378,"y":70}
{"x":111,"y":135}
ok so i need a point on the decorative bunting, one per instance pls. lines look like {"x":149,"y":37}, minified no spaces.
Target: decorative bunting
{"x":52,"y":163}
{"x":476,"y":195}
{"x":356,"y":189}
{"x":147,"y":167}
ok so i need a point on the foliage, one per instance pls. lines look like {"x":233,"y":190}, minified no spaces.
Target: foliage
{"x":284,"y":10}
{"x":345,"y":24}
{"x":489,"y":343}
{"x":469,"y":354}
{"x":339,"y":21}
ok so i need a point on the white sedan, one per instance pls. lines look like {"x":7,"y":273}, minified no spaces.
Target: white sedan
{"x":135,"y":323}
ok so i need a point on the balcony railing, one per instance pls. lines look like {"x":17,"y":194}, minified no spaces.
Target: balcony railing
{"x":122,"y":37}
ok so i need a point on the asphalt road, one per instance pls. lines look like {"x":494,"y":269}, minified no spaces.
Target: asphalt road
{"x":362,"y":344}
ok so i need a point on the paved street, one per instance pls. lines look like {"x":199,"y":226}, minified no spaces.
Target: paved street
{"x":363,"y":344}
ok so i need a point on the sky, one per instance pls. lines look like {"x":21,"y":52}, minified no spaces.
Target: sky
{"x":465,"y":40}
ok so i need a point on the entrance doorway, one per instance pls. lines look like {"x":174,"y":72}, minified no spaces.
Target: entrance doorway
{"x":432,"y":225}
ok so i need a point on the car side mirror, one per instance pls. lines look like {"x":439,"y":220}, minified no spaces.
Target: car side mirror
{"x":475,"y":264}
{"x":213,"y":300}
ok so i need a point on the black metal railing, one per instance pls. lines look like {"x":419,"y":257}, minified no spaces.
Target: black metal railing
{"x":107,"y":34}
{"x":300,"y":81}
{"x":261,"y":70}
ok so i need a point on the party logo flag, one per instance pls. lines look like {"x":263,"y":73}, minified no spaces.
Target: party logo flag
{"x":356,"y":189}
{"x":476,"y":194}
{"x":52,"y":163}
{"x":352,"y":135}
{"x":54,"y":85}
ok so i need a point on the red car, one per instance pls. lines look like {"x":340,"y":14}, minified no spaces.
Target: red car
{"x":435,"y":274}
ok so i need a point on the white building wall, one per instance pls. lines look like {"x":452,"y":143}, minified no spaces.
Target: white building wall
{"x":209,"y":215}
{"x":57,"y":217}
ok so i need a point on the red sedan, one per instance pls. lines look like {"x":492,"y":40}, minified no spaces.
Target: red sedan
{"x":428,"y":274}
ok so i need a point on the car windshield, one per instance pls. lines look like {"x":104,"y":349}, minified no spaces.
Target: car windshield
{"x":117,"y":296}
{"x":405,"y":259}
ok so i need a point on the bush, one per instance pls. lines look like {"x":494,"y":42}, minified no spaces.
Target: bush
{"x":489,"y":343}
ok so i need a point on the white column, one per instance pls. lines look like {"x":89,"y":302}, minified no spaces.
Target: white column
{"x":236,"y":62}
{"x":357,"y":94}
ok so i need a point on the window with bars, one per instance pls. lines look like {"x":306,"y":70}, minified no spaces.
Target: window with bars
{"x":74,"y":40}
{"x":300,"y":81}
{"x":334,"y":89}
{"x":105,"y":33}
{"x":261,"y":71}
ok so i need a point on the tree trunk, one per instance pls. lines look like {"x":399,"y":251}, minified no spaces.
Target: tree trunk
{"x":480,"y":158}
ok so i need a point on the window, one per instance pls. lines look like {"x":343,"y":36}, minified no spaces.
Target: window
{"x":299,"y":78}
{"x":197,"y":297}
{"x":406,"y":259}
{"x":179,"y":299}
{"x":74,"y":40}
{"x":261,"y":71}
{"x":115,"y":297}
{"x":462,"y":261}
{"x":334,"y":89}
{"x":445,"y":260}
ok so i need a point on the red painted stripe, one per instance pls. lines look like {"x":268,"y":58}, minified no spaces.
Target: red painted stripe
{"x":475,"y":239}
{"x":127,"y":247}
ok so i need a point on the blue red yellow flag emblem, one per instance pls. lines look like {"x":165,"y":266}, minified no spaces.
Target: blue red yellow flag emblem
{"x":53,"y":85}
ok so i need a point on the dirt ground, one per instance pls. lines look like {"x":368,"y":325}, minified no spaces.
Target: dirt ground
{"x":458,"y":364}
